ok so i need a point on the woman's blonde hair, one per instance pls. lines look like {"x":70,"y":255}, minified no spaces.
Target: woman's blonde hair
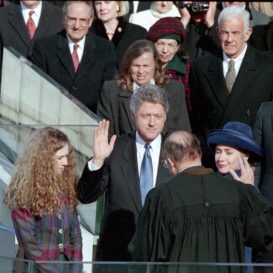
{"x":35,"y":184}
{"x":123,"y":8}
{"x":135,"y":50}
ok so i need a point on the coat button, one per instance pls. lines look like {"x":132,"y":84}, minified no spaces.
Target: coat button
{"x":61,"y":231}
{"x":206,"y":204}
{"x":61,"y":246}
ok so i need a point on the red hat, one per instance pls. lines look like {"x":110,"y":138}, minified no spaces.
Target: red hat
{"x":168,"y":26}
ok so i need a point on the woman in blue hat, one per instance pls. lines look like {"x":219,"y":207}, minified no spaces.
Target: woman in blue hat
{"x":235,"y":151}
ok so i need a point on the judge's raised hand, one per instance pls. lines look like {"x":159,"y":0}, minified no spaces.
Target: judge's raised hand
{"x":247,"y":172}
{"x":101,"y":145}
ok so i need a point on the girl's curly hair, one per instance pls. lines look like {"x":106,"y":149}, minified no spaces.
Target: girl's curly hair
{"x":35,"y":184}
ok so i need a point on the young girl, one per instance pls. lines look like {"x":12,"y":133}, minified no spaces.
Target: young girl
{"x":43,"y":200}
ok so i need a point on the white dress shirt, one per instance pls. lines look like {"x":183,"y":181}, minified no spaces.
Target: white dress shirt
{"x":80,"y":48}
{"x":154,"y":151}
{"x":238,"y":61}
{"x":35,"y":16}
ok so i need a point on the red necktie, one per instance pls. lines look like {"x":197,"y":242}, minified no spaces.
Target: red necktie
{"x":31,"y":25}
{"x":75,"y":57}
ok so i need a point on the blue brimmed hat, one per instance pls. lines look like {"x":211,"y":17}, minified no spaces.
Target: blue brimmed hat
{"x":237,"y":135}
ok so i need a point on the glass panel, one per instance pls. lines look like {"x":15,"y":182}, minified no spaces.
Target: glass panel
{"x":30,"y":100}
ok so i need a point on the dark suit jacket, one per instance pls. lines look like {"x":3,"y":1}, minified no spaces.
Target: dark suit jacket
{"x":114,"y":105}
{"x":13,"y":30}
{"x":52,"y":55}
{"x":263,"y":134}
{"x":262,"y":37}
{"x":200,"y":40}
{"x":119,"y":179}
{"x":125,"y":34}
{"x":213,"y":106}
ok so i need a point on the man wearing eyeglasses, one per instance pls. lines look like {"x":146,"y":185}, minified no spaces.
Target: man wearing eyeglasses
{"x":76,"y":59}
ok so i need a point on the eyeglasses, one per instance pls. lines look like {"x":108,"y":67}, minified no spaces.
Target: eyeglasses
{"x":170,"y":47}
{"x":71,"y":21}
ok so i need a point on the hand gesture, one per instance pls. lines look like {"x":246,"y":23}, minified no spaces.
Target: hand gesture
{"x":247,"y":172}
{"x":210,"y":15}
{"x":185,"y":14}
{"x":102,"y":147}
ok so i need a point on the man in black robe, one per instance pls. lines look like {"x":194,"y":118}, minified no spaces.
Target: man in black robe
{"x":200,"y":216}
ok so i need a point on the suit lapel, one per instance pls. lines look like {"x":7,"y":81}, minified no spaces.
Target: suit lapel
{"x":17,"y":21}
{"x":88,"y":56}
{"x":216,"y":80}
{"x":271,"y":129}
{"x":269,"y":37}
{"x":64,"y":55}
{"x":162,"y":173}
{"x":124,"y":98}
{"x":130,"y":171}
{"x":241,"y":85}
{"x":43,"y":25}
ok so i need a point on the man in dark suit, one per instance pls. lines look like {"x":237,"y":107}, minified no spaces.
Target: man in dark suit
{"x":77,"y":60}
{"x":250,"y":82}
{"x":117,"y":169}
{"x":263,"y":134}
{"x":13,"y":24}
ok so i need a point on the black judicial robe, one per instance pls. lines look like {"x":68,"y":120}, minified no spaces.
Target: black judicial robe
{"x":199,"y":216}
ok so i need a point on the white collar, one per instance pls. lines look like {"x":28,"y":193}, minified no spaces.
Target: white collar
{"x":36,"y":10}
{"x":155,"y":143}
{"x":80,"y":43}
{"x":135,"y":86}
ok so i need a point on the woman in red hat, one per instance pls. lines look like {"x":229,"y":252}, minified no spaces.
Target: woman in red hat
{"x":168,"y":35}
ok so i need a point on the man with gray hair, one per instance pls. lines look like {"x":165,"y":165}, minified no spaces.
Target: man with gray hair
{"x":77,"y":60}
{"x":125,"y":169}
{"x":232,"y":85}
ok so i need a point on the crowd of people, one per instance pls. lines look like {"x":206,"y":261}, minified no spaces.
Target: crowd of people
{"x":183,"y":153}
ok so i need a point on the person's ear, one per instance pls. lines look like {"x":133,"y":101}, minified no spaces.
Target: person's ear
{"x":248,"y":33}
{"x":172,"y":166}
